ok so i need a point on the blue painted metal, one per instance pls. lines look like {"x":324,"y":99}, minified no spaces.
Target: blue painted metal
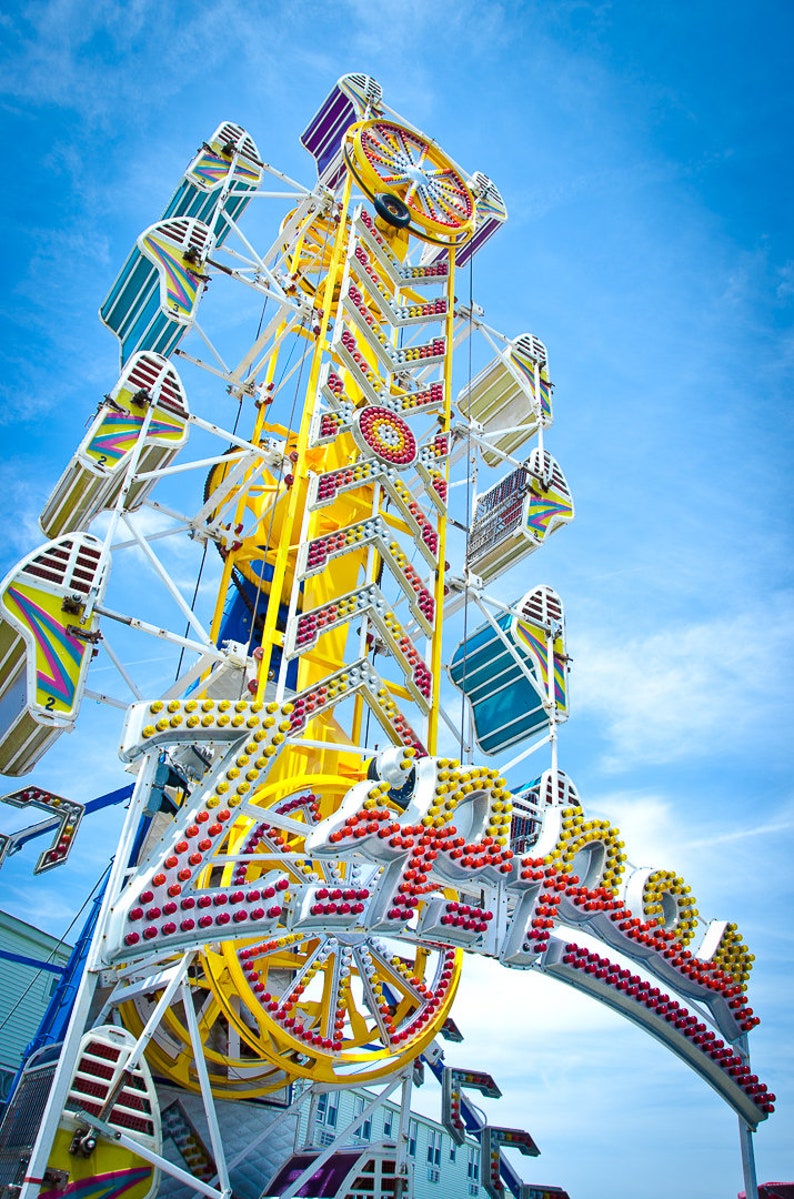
{"x":189,"y":201}
{"x":215,"y":190}
{"x":56,"y":1018}
{"x":109,"y":799}
{"x":506,"y":707}
{"x":153,"y":301}
{"x":246,"y":606}
{"x":132,"y":311}
{"x":37,"y":963}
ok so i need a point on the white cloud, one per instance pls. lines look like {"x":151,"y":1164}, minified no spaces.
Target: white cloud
{"x":556,"y":1009}
{"x":686,"y":691}
{"x":650,"y":825}
{"x":67,"y":54}
{"x":22,"y":533}
{"x":744,"y":834}
{"x":785,"y":288}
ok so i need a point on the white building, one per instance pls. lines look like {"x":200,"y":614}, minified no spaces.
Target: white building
{"x":436,"y":1166}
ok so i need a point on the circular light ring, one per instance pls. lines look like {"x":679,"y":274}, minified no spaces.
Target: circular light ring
{"x":387,"y":157}
{"x":381,"y":432}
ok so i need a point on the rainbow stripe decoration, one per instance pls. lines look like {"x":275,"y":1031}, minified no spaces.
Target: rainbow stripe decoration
{"x":119,"y":432}
{"x":535,"y":642}
{"x":526,"y":368}
{"x":545,"y":511}
{"x":211,"y":168}
{"x":180,"y":286}
{"x":103,"y":1186}
{"x":59,"y":655}
{"x":489,"y":205}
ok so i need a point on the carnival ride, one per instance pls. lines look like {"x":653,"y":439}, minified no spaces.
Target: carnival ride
{"x":313,"y":843}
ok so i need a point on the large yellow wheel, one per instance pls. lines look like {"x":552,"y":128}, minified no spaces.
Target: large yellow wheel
{"x":333,"y":1006}
{"x":391,"y":160}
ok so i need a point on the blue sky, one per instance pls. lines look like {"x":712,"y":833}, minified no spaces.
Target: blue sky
{"x":643,"y":150}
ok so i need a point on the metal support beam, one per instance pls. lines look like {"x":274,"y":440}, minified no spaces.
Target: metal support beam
{"x":67,"y":1062}
{"x":206,"y":1090}
{"x":748,"y":1160}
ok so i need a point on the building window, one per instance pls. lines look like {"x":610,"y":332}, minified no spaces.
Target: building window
{"x":328,"y":1108}
{"x":364,"y":1131}
{"x":434,"y":1141}
{"x":473,"y":1165}
{"x":413,"y":1127}
{"x":388,"y":1122}
{"x":452,"y":1149}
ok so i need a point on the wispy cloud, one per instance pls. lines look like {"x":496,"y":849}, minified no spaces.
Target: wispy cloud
{"x":62,"y":53}
{"x":743,"y":834}
{"x":688,"y":690}
{"x":22,"y":533}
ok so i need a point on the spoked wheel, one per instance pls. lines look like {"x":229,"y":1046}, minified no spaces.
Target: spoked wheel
{"x":333,"y":1006}
{"x":391,"y":161}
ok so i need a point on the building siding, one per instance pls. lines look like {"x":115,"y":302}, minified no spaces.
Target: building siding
{"x":454,"y":1170}
{"x":25,"y":990}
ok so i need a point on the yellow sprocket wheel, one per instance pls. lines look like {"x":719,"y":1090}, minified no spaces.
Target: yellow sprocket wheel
{"x":333,"y":1006}
{"x":388,"y":159}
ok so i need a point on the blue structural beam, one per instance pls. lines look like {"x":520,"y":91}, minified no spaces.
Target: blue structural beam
{"x":37,"y":963}
{"x":52,"y":1028}
{"x":109,"y":800}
